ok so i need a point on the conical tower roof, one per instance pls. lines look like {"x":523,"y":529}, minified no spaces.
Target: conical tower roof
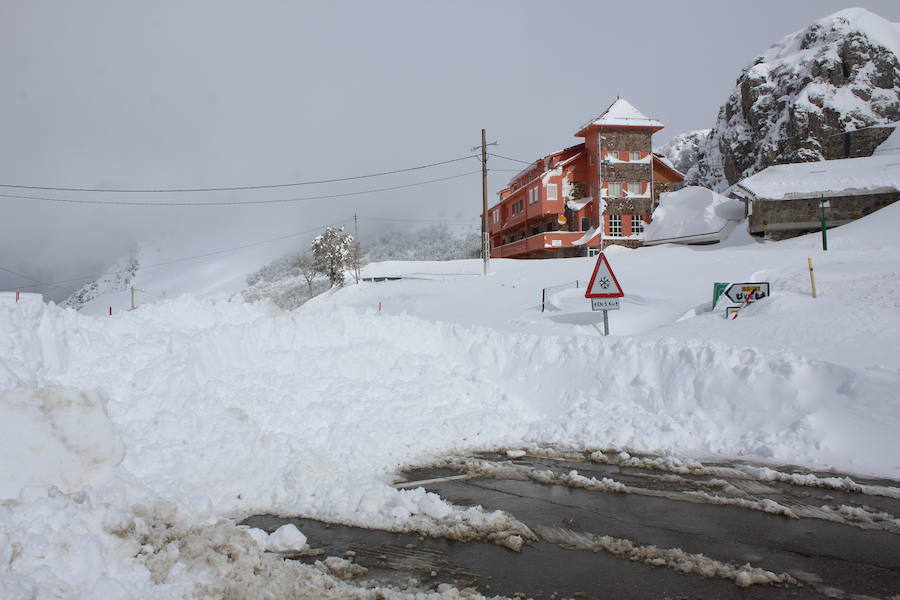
{"x":622,"y":113}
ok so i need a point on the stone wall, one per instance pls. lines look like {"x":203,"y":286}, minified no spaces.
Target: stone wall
{"x":628,"y":206}
{"x":626,"y":140}
{"x":626,"y":243}
{"x":781,"y":219}
{"x":855,"y":144}
{"x":625,"y":172}
{"x":664,"y":187}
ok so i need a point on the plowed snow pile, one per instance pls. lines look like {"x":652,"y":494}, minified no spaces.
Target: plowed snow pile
{"x":227,"y":409}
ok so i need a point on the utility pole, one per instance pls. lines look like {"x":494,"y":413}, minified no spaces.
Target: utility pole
{"x":600,"y":140}
{"x":485,"y":235}
{"x":356,"y":247}
{"x":132,"y":298}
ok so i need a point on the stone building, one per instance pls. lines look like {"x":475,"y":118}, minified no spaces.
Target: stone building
{"x":575,"y":201}
{"x":784,"y":201}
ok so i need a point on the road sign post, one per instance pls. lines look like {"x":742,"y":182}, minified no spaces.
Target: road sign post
{"x":604,"y":290}
{"x":745,"y":293}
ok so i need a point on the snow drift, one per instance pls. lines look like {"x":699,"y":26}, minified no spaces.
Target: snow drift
{"x":227,"y":408}
{"x":693,"y":215}
{"x":55,"y":436}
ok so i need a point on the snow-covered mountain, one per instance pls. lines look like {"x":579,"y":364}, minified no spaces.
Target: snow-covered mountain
{"x":682,"y":150}
{"x":839,"y":74}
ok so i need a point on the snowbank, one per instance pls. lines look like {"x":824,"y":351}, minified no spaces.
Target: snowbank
{"x":227,"y":408}
{"x":692,"y":214}
{"x":55,"y":436}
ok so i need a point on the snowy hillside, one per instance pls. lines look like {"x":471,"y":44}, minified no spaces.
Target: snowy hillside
{"x":128,"y":439}
{"x":839,"y":74}
{"x":258,"y":271}
{"x":682,"y":150}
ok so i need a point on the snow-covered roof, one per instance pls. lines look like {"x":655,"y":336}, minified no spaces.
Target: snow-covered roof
{"x":622,"y":113}
{"x":890,"y":146}
{"x":692,"y":214}
{"x":666,"y":162}
{"x":577,"y":205}
{"x":829,"y":178}
{"x":587,"y":237}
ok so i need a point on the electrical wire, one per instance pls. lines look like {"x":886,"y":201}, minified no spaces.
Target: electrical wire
{"x":524,"y":162}
{"x":236,"y":202}
{"x":37,"y":281}
{"x":236,"y":187}
{"x":472,"y":220}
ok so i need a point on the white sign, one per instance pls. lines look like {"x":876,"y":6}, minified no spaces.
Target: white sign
{"x":745,"y":293}
{"x":604,"y":304}
{"x":603,"y":282}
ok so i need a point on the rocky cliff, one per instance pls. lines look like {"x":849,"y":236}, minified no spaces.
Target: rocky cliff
{"x":683,"y":149}
{"x":795,"y":101}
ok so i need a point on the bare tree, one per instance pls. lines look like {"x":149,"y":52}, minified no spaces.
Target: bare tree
{"x":306,"y":264}
{"x":357,"y":259}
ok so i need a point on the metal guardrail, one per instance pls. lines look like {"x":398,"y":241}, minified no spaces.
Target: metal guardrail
{"x":576,"y":283}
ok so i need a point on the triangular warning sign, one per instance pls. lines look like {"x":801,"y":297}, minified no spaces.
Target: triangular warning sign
{"x":603,"y":282}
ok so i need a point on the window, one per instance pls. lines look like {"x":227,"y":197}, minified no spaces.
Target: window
{"x":637,"y":225}
{"x":614,"y":189}
{"x":634,"y":187}
{"x":612,"y":154}
{"x":615,"y":225}
{"x":585,"y":223}
{"x":495,"y":216}
{"x":634,"y":155}
{"x":592,"y":190}
{"x":551,"y":192}
{"x":517,"y":207}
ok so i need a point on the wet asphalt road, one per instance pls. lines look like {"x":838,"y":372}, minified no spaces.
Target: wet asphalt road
{"x":825,"y":556}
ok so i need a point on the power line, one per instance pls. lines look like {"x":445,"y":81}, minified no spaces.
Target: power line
{"x":237,"y":187}
{"x":180,"y":260}
{"x":236,"y":202}
{"x":524,"y":162}
{"x":472,"y":220}
{"x":38,"y":281}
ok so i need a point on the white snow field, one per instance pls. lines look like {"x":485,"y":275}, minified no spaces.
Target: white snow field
{"x":132,"y":443}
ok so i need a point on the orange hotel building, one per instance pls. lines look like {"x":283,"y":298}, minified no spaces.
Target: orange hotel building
{"x":605,"y":188}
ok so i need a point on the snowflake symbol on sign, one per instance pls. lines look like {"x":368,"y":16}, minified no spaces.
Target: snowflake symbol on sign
{"x":605,"y":283}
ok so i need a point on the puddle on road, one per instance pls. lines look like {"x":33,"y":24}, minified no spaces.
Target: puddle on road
{"x":616,"y":526}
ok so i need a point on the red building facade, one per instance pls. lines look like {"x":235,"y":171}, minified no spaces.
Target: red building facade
{"x":585,"y":197}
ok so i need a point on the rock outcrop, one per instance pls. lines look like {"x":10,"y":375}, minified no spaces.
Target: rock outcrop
{"x":796,"y":101}
{"x":683,"y":149}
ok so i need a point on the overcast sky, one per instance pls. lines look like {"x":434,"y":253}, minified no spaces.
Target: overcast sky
{"x":178,"y":94}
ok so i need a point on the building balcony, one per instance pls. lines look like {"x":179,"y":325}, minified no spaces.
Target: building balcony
{"x":536,"y":245}
{"x":535,"y":212}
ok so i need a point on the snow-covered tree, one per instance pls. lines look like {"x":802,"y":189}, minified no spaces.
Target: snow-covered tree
{"x":434,"y":242}
{"x":333,"y":253}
